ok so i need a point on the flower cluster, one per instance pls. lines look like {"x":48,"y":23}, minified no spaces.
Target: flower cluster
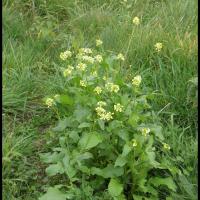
{"x":136,"y":21}
{"x":68,"y":71}
{"x":49,"y":102}
{"x":120,"y":56}
{"x":145,"y":131}
{"x":134,"y":142}
{"x":166,"y":146}
{"x":65,"y":55}
{"x":112,"y":87}
{"x":136,"y":80}
{"x":118,"y":107}
{"x":81,"y":66}
{"x":99,"y":42}
{"x":101,"y":112}
{"x":83,"y":83}
{"x":158,"y":46}
{"x":98,"y":90}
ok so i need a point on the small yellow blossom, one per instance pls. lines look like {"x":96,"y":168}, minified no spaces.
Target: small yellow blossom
{"x":85,"y":50}
{"x":107,"y":116}
{"x":98,"y":43}
{"x":65,"y":55}
{"x":49,"y":102}
{"x":166,"y":146}
{"x":100,"y":110}
{"x":104,"y":78}
{"x":98,"y":58}
{"x":136,"y":80}
{"x":98,"y":90}
{"x":136,"y":21}
{"x":57,"y":96}
{"x":118,"y":107}
{"x":83,"y":83}
{"x":145,"y":131}
{"x":88,"y":59}
{"x":158,"y":46}
{"x":101,"y":103}
{"x":134,"y":142}
{"x":120,"y":56}
{"x":94,"y":73}
{"x":111,"y":87}
{"x":68,"y":71}
{"x":81,"y":66}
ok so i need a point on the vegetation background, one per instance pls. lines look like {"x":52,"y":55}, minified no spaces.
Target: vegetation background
{"x":34,"y":34}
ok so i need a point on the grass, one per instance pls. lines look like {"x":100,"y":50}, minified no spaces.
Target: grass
{"x":34,"y":33}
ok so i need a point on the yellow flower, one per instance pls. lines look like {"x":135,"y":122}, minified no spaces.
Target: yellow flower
{"x":134,"y":142}
{"x":136,"y":21}
{"x":83,"y":83}
{"x":104,"y":78}
{"x":57,"y":96}
{"x":108,"y":116}
{"x":85,"y":50}
{"x":81,"y":66}
{"x":98,"y":58}
{"x":68,"y":71}
{"x":88,"y":59}
{"x":98,"y":90}
{"x":111,"y":87}
{"x":166,"y":146}
{"x":136,"y":80}
{"x":49,"y":102}
{"x":65,"y":55}
{"x":98,"y":43}
{"x":158,"y":46}
{"x":145,"y":131}
{"x":100,"y":110}
{"x":120,"y":57}
{"x":94,"y":73}
{"x":101,"y":103}
{"x":118,"y":107}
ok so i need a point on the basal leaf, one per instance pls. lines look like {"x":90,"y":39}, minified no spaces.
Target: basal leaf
{"x":115,"y":188}
{"x":53,"y":194}
{"x":62,"y":125}
{"x":90,"y":140}
{"x":54,"y":169}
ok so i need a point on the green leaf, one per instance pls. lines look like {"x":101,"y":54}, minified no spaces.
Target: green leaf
{"x":108,"y":172}
{"x":81,"y":114}
{"x":157,"y":130}
{"x":84,"y":125}
{"x":68,"y":168}
{"x":127,"y":148}
{"x":163,"y":181}
{"x":50,"y":158}
{"x":54,"y":169}
{"x":188,"y":187}
{"x":62,"y":125}
{"x":90,"y":140}
{"x":134,"y":119}
{"x":101,"y":124}
{"x":123,"y":134}
{"x":53,"y":194}
{"x":121,"y":161}
{"x":66,"y":100}
{"x":115,"y":188}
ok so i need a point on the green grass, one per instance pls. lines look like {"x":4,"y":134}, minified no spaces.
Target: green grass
{"x":35,"y":32}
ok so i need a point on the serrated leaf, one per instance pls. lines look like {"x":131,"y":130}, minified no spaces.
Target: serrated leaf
{"x":163,"y":181}
{"x":90,"y":140}
{"x":115,"y":188}
{"x":121,"y":161}
{"x":54,"y":169}
{"x":53,"y":194}
{"x":62,"y":125}
{"x":134,"y":119}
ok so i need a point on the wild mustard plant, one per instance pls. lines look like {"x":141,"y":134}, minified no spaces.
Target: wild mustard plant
{"x":108,"y":135}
